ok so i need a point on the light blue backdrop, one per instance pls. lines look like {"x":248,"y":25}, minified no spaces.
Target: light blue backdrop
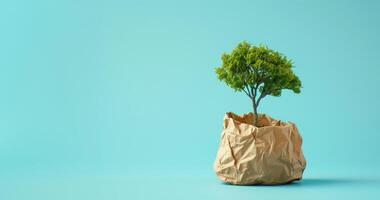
{"x":122,"y":88}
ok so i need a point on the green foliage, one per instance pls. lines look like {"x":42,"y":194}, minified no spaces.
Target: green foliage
{"x":252,"y":66}
{"x":255,"y":69}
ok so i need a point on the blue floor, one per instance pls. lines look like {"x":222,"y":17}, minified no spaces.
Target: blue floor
{"x":174,"y":186}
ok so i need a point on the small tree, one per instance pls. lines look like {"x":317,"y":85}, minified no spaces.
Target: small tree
{"x":257,"y":71}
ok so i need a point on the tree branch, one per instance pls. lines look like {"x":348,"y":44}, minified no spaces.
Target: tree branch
{"x":262,"y":95}
{"x":247,"y":92}
{"x":253,"y":92}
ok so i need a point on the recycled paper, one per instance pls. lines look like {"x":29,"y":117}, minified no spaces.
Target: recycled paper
{"x":268,"y":154}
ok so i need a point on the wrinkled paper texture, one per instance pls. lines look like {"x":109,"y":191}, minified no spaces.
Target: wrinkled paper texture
{"x":268,"y":154}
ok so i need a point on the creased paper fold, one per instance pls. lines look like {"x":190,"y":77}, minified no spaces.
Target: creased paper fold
{"x":268,"y":154}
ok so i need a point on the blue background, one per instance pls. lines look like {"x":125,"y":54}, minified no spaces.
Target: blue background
{"x":119,"y":99}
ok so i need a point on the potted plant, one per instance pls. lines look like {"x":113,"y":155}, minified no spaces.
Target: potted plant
{"x":255,"y":148}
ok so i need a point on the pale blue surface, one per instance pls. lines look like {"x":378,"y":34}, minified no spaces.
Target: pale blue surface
{"x":118,"y":99}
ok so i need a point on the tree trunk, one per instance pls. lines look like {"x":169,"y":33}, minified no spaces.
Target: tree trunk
{"x":255,"y":119}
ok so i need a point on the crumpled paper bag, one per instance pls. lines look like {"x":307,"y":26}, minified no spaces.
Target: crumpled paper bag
{"x":268,"y":154}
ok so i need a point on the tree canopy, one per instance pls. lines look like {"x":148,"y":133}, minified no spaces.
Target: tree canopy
{"x":258,"y":71}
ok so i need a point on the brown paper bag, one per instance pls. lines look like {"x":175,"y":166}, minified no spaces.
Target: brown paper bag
{"x":268,"y":154}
